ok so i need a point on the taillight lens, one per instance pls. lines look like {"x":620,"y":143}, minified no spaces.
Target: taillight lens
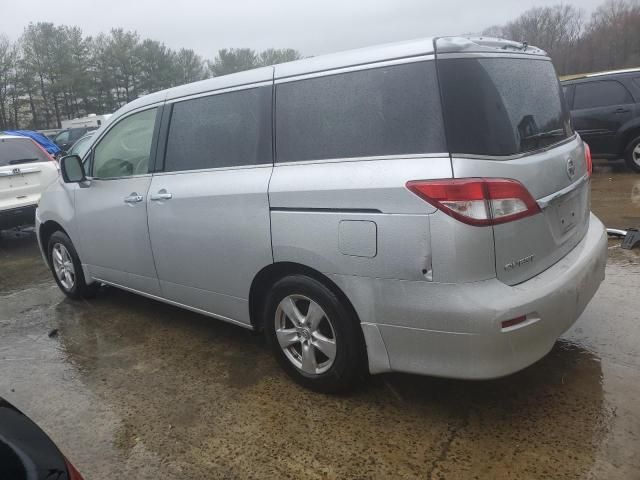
{"x":72,"y":472}
{"x":587,"y":159}
{"x":478,"y":201}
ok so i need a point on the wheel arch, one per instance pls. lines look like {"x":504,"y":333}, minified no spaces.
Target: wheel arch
{"x":47,"y":229}
{"x":630,"y":131}
{"x":269,"y":275}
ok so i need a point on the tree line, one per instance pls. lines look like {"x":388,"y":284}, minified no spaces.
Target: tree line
{"x":607,"y":39}
{"x":52,"y":73}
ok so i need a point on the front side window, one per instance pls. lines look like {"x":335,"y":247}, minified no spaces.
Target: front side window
{"x":501,"y":106}
{"x":125,"y":149}
{"x":380,"y":111}
{"x":600,"y":94}
{"x":224,"y":130}
{"x":81,"y":147}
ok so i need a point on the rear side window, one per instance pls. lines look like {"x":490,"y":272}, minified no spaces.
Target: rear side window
{"x":567,"y":91}
{"x":15,"y":151}
{"x":225,"y":130}
{"x":501,"y":106}
{"x":600,"y":94}
{"x":381,"y":111}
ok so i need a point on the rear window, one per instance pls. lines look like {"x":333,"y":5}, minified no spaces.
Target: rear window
{"x":380,"y":111}
{"x":15,"y":151}
{"x":501,"y":106}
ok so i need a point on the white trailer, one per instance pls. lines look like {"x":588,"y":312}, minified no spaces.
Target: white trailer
{"x":91,"y":120}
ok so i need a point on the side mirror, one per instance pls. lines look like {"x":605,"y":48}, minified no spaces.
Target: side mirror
{"x":72,"y":169}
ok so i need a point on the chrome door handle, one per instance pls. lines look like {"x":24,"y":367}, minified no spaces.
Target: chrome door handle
{"x":133,"y":198}
{"x":161,"y":195}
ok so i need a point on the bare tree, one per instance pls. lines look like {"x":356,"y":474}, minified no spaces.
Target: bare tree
{"x":609,"y":40}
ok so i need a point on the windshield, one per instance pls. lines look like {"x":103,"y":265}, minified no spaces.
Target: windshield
{"x":14,"y":151}
{"x":501,"y":106}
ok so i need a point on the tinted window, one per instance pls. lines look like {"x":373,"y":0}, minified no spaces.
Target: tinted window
{"x":76,"y":133}
{"x":501,"y":106}
{"x":567,"y":91}
{"x":381,"y":111}
{"x":225,"y":130}
{"x":14,"y":151}
{"x":80,"y":147}
{"x":125,"y":149}
{"x":62,"y":137}
{"x":600,"y":94}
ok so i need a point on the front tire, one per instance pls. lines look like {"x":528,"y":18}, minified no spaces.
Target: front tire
{"x":67,"y":268}
{"x":632,"y":155}
{"x":313,"y":335}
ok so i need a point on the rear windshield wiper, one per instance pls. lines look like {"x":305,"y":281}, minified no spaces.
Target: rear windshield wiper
{"x":551,"y":133}
{"x":23,"y":160}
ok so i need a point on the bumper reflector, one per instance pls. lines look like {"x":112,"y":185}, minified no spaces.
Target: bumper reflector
{"x":514,"y":321}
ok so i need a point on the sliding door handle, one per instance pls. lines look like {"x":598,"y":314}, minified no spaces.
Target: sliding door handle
{"x":133,"y":198}
{"x":161,"y":195}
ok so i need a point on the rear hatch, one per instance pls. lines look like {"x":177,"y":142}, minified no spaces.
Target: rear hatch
{"x":25,"y":170}
{"x":505,"y":117}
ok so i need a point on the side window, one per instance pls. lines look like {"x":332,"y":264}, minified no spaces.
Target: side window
{"x":600,"y":94}
{"x":76,"y":133}
{"x":379,"y":111}
{"x":81,"y":147}
{"x":224,"y":130}
{"x":567,"y":92}
{"x":125,"y":149}
{"x":62,"y":137}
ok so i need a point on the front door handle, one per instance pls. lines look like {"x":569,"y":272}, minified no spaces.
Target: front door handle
{"x":133,"y":198}
{"x":621,"y":110}
{"x":161,"y":195}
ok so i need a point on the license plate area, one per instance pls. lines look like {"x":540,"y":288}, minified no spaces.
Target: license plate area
{"x":20,"y":180}
{"x":568,"y":212}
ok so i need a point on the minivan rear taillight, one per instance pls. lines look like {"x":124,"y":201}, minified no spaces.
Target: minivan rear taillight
{"x":587,"y":159}
{"x":478,"y":201}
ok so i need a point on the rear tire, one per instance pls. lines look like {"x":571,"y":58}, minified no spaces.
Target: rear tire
{"x":632,"y":155}
{"x":314,"y":335}
{"x":67,"y":268}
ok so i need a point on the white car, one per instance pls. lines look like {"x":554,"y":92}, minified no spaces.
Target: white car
{"x":26,"y":169}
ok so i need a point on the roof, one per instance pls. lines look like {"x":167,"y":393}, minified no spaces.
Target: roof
{"x":570,"y":78}
{"x":360,"y":56}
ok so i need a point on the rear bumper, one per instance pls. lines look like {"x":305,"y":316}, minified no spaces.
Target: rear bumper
{"x":17,"y":217}
{"x":455,"y":330}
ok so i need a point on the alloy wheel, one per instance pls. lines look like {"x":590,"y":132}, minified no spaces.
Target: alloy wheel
{"x":305,"y":334}
{"x":63,"y":266}
{"x":635,"y":154}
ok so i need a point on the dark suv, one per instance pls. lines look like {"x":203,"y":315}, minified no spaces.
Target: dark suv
{"x":606,"y":113}
{"x":66,"y":138}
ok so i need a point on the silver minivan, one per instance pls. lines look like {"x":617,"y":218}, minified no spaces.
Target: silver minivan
{"x":417,"y":207}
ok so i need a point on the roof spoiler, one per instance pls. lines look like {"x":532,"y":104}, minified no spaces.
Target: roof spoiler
{"x":483,"y":45}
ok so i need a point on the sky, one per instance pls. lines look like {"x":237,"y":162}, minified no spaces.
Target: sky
{"x":312,"y":27}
